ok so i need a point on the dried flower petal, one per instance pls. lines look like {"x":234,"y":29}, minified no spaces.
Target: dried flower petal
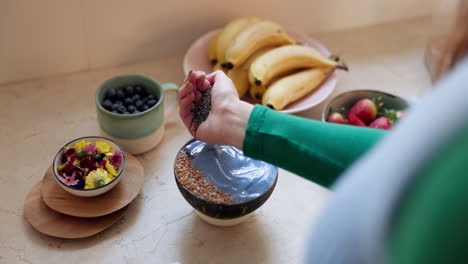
{"x":97,"y":178}
{"x":112,"y":171}
{"x":116,"y":159}
{"x":102,"y":147}
{"x":69,"y":180}
{"x":81,"y":145}
{"x":88,"y":163}
{"x":90,"y":150}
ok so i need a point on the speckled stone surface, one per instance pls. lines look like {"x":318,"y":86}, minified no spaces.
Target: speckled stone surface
{"x":37,"y":117}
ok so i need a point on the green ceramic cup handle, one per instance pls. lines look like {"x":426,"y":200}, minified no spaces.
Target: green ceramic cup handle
{"x":171,"y":87}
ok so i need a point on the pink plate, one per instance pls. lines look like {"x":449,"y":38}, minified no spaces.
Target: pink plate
{"x":196,"y":58}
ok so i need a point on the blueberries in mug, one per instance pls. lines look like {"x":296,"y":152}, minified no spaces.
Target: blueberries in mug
{"x":131,"y":99}
{"x":107,"y":104}
{"x":151,"y":103}
{"x":128,"y":101}
{"x":129,"y":90}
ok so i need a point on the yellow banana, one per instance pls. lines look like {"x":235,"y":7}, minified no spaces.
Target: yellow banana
{"x":293,"y":87}
{"x":285,"y":59}
{"x":257,"y":92}
{"x":240,"y":75}
{"x":255,"y":37}
{"x":229,"y":33}
{"x":212,"y":49}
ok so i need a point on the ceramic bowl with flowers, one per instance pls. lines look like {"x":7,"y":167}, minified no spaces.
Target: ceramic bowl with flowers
{"x":89,"y":166}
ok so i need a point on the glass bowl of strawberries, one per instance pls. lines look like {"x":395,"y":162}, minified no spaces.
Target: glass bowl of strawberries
{"x":366,"y":108}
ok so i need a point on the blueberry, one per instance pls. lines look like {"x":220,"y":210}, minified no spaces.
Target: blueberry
{"x":138,"y":89}
{"x":135,"y":112}
{"x":151,"y":97}
{"x":115,"y":111}
{"x":139,"y":104}
{"x":129,"y":90}
{"x":115,"y":107}
{"x":118,"y":102}
{"x":126,"y":113}
{"x":111,"y":94}
{"x":131,"y":108}
{"x":128,"y":101}
{"x":121,"y":109}
{"x":120,"y":94}
{"x":142,"y":91}
{"x":144,"y":108}
{"x":151,"y":103}
{"x":136,"y":97}
{"x":107,"y":104}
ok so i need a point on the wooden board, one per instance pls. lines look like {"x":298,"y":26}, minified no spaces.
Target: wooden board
{"x":52,"y":223}
{"x":122,"y":194}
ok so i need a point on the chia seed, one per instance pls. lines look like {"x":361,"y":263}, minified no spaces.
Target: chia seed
{"x":195,"y":181}
{"x":201,"y":109}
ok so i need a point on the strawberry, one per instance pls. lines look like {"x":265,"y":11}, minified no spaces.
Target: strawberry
{"x":381,"y":123}
{"x":336,"y":118}
{"x":355,"y":121}
{"x":365,"y":109}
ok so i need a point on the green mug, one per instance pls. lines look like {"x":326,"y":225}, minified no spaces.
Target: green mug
{"x":140,"y":132}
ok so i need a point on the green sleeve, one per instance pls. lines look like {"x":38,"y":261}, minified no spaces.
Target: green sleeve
{"x":317,"y":151}
{"x":432,"y":223}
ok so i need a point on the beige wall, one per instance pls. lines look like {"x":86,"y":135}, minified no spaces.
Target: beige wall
{"x":47,"y":37}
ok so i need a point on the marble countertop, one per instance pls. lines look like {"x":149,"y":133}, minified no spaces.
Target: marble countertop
{"x":39,"y":116}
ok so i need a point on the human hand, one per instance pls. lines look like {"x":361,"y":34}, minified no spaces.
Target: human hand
{"x":228,"y":116}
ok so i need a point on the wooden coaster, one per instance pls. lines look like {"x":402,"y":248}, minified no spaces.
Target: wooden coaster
{"x":122,"y":194}
{"x":52,"y":223}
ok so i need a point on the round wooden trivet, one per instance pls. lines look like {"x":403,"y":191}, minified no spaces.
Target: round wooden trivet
{"x":52,"y":223}
{"x":122,"y":194}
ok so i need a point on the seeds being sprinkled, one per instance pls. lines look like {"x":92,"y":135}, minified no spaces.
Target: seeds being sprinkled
{"x":201,"y":109}
{"x":194,"y":181}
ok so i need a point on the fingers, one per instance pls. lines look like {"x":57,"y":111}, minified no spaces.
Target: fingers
{"x":212,"y":76}
{"x":197,"y":95}
{"x":204,"y":86}
{"x":186,"y":107}
{"x":193,"y":76}
{"x":185,"y":90}
{"x":187,"y":76}
{"x":198,"y":80}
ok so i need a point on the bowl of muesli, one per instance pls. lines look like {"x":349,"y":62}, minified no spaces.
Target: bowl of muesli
{"x":220,"y":183}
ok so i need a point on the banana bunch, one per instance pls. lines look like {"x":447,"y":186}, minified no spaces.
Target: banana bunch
{"x":260,"y":58}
